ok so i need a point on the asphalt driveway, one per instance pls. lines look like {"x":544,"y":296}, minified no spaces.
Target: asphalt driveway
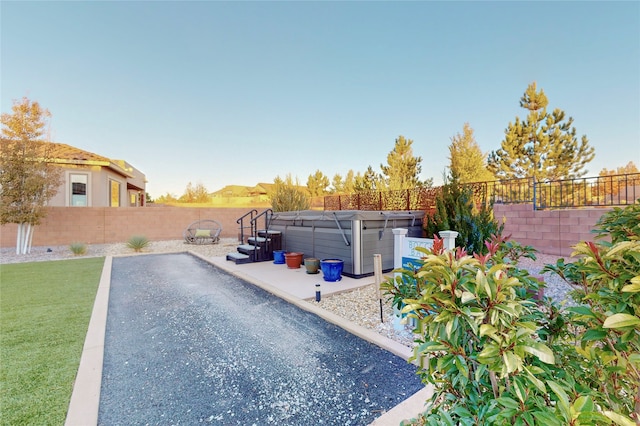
{"x":187,"y":343}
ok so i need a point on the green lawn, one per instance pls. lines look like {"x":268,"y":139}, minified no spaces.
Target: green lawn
{"x":45,"y":309}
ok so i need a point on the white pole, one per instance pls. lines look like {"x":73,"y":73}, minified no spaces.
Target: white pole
{"x":19,"y":239}
{"x":377,"y":270}
{"x":399,"y":235}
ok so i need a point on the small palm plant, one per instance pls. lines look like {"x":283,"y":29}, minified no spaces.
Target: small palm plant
{"x":78,"y":249}
{"x":138,"y":242}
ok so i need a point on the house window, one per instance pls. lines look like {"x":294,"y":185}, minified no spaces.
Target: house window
{"x":114,"y":189}
{"x":78,"y":190}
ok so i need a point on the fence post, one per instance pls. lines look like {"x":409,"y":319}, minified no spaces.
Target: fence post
{"x":449,"y":239}
{"x":534,"y":193}
{"x":399,"y":235}
{"x":398,"y":245}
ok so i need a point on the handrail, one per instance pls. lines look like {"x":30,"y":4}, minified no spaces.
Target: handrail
{"x":267,"y":213}
{"x":266,"y":247}
{"x":240,"y":222}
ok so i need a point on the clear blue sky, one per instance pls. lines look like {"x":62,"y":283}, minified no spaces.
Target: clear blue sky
{"x":240,"y":92}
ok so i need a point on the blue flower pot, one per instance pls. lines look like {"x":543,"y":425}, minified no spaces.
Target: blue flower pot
{"x":332,"y":269}
{"x":278,"y":257}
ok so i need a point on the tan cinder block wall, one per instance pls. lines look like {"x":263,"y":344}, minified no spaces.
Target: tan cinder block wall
{"x":104,"y":225}
{"x":548,"y":231}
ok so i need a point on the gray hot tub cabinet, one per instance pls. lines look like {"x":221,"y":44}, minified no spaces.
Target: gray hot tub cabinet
{"x":351,"y":235}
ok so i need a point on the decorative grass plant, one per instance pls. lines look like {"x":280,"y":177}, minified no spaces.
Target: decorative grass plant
{"x":138,"y":243}
{"x":78,"y":248}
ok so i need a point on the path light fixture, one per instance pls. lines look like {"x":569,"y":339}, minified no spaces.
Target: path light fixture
{"x":318,"y":292}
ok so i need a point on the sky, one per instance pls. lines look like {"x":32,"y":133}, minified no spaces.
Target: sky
{"x":237,"y":93}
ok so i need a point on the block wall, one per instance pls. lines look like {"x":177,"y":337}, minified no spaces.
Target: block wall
{"x":548,"y":231}
{"x":104,"y":225}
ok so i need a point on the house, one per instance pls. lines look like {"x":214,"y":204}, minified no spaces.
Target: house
{"x":91,"y":180}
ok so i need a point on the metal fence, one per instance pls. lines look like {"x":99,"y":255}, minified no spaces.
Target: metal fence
{"x":599,"y":191}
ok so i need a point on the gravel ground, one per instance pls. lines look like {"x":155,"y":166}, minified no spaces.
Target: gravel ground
{"x":360,"y":306}
{"x":187,"y":343}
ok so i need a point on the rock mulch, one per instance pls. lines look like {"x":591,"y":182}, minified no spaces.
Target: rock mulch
{"x":361,"y":306}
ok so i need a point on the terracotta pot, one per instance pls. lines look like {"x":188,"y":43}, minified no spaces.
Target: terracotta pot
{"x":312,"y":264}
{"x":293,"y":260}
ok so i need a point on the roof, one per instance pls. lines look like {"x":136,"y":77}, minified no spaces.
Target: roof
{"x":66,"y":154}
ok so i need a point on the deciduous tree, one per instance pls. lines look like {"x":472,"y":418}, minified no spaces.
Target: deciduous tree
{"x":28,"y":178}
{"x":467,"y":161}
{"x":195,"y":194}
{"x":624,"y":170}
{"x":543,"y":146}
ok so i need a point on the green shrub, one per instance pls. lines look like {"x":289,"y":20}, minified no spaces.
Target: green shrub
{"x":497,"y":357}
{"x":455,"y":211}
{"x":606,"y":279}
{"x":138,"y":243}
{"x":78,"y":248}
{"x":288,"y":195}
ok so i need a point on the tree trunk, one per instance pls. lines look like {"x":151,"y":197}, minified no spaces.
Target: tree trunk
{"x":19,"y":239}
{"x":24,"y":238}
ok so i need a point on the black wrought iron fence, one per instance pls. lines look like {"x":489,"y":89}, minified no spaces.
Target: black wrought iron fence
{"x":599,"y":191}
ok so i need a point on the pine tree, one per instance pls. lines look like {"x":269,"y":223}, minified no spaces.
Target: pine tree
{"x":403,"y":169}
{"x":544,"y":146}
{"x":337,"y":184}
{"x":468,"y":162}
{"x":369,"y":181}
{"x":317,"y":184}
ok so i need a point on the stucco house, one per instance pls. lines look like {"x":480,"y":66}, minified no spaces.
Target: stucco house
{"x":91,"y":180}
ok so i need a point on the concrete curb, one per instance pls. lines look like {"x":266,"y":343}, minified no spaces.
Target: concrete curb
{"x":85,"y":399}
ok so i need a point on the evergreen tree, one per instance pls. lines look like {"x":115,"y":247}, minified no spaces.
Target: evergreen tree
{"x":317,"y":184}
{"x":337,"y":184}
{"x":403,"y":169}
{"x":468,"y":162}
{"x":455,"y":211}
{"x":543,"y":146}
{"x":28,"y":179}
{"x":349,"y":183}
{"x":369,"y":181}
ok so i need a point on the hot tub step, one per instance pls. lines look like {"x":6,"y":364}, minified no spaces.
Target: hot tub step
{"x":239,"y":258}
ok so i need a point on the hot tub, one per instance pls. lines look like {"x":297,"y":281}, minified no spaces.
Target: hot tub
{"x":351,"y":235}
